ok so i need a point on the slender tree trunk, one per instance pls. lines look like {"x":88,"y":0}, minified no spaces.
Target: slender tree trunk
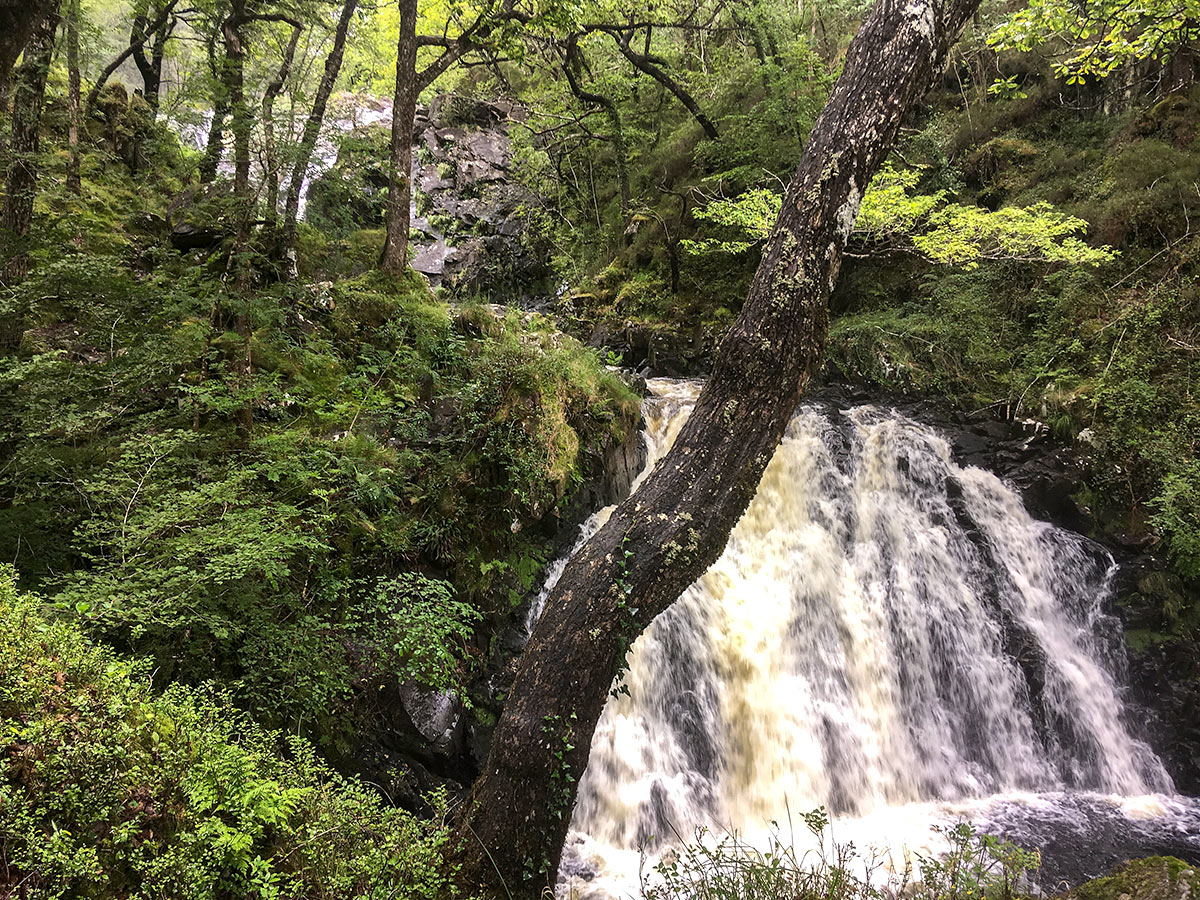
{"x":153,"y":89}
{"x":240,"y":120}
{"x":404,"y":110}
{"x":73,"y":182}
{"x":312,"y":130}
{"x":268,"y":117}
{"x":28,"y":96}
{"x":666,"y":535}
{"x":214,"y":147}
{"x":241,"y":123}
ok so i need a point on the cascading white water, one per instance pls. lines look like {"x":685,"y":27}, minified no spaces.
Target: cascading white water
{"x":884,"y":629}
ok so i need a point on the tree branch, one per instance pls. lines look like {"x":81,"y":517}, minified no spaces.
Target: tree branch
{"x":133,"y":47}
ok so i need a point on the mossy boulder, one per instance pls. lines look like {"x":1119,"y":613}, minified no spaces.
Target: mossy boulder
{"x":1155,"y":878}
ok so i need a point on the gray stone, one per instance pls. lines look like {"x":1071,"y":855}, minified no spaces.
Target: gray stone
{"x":437,"y":715}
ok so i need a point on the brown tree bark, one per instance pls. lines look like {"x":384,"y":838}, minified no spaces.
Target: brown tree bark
{"x":18,"y":20}
{"x":312,"y":130}
{"x":394,"y":258}
{"x":28,"y":97}
{"x":666,"y":535}
{"x":73,"y":182}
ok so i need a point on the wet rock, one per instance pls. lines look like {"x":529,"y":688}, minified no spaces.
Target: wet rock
{"x":430,"y":259}
{"x":478,"y":237}
{"x":436,"y":715}
{"x":199,"y":217}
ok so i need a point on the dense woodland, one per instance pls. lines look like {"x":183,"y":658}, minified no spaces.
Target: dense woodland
{"x":266,"y":490}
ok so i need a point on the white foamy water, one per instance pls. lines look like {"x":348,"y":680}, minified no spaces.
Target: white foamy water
{"x":888,"y":635}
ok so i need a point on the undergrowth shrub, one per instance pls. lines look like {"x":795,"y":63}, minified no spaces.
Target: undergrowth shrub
{"x":974,"y":866}
{"x":390,"y":443}
{"x":109,"y":790}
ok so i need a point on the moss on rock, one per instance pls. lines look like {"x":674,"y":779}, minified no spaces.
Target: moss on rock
{"x":1155,"y":878}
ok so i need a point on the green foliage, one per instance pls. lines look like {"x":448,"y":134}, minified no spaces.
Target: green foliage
{"x":974,"y":865}
{"x":963,"y":235}
{"x":1099,"y":36}
{"x":113,"y":791}
{"x":393,"y":450}
{"x":751,"y":214}
{"x":893,"y":218}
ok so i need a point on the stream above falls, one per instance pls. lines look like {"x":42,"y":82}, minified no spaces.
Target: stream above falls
{"x":891,"y":636}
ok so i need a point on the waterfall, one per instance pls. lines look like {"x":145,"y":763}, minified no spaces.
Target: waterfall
{"x":884,"y":629}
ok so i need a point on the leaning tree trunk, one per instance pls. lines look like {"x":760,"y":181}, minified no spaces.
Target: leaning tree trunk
{"x":659,"y":540}
{"x":394,"y":258}
{"x":214,"y":146}
{"x":29,"y":92}
{"x":312,"y":129}
{"x":649,"y":65}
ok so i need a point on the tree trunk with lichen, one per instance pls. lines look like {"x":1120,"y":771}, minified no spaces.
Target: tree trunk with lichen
{"x":512,"y":826}
{"x":18,"y":21}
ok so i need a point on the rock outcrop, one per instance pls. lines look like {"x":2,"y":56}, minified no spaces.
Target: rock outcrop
{"x":1155,"y":878}
{"x":472,"y":215}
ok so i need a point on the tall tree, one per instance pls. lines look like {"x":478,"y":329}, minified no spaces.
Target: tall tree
{"x":29,"y":92}
{"x":73,"y":105}
{"x":270,"y":152}
{"x":662,"y":538}
{"x":404,"y":106}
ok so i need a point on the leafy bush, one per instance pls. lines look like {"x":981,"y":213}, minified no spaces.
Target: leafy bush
{"x":307,"y":557}
{"x":111,"y":791}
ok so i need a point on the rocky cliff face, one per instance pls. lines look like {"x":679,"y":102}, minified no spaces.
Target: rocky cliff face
{"x":472,"y":216}
{"x":472,"y":222}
